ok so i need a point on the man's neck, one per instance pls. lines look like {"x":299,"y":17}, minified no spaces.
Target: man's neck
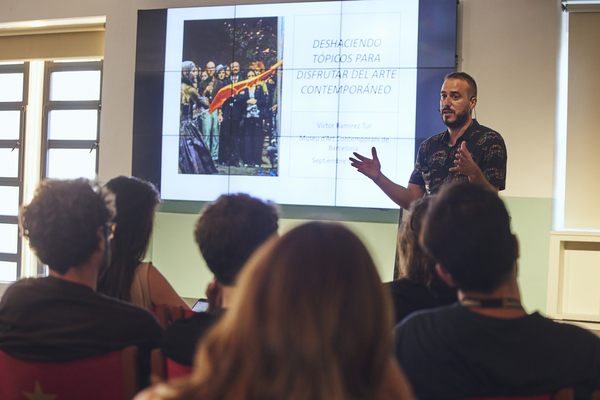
{"x":227,"y":296}
{"x":457,"y":132}
{"x":82,"y":274}
{"x":85,"y":273}
{"x":509,"y":290}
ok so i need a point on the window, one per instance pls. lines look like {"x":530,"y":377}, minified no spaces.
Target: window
{"x":71,"y":119}
{"x":13,"y":103}
{"x":49,"y":118}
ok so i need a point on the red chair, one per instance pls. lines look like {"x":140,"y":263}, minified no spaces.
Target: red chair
{"x":563,"y":394}
{"x":164,"y":368}
{"x":178,"y":312}
{"x":162,"y":313}
{"x":113,"y":376}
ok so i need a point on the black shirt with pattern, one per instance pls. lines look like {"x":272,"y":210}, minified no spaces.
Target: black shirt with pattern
{"x":436,"y":156}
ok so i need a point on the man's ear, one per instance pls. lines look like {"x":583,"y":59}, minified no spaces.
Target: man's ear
{"x":473,"y":102}
{"x":445,"y":275}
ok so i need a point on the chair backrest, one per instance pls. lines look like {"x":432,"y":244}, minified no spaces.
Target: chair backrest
{"x":162,"y":313}
{"x":163,"y":368}
{"x":176,"y":370}
{"x":563,"y":394}
{"x":113,"y":376}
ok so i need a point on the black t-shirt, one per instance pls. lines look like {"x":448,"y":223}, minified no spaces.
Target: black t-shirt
{"x":54,"y":320}
{"x":454,"y":353}
{"x":182,"y":336}
{"x":436,"y":156}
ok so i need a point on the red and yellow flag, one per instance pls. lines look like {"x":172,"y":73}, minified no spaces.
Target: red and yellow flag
{"x":234,"y":88}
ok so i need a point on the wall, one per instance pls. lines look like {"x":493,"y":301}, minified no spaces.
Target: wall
{"x":581,"y":194}
{"x":509,"y":46}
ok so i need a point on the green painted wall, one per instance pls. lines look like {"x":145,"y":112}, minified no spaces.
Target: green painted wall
{"x":531,"y":222}
{"x":176,"y":255}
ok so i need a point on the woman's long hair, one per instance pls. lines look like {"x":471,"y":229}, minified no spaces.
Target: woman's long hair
{"x":417,"y":265}
{"x":136,"y":202}
{"x":310,"y":320}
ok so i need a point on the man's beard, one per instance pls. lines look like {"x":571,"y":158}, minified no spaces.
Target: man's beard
{"x":460,"y":120}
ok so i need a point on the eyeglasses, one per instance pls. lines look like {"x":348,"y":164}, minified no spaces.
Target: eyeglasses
{"x":109,"y":230}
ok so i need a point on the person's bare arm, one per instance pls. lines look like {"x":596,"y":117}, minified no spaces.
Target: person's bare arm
{"x":371,"y":168}
{"x":161,"y":291}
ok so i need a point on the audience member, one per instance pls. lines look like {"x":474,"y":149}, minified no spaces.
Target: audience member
{"x":256,"y":101}
{"x":128,"y":277}
{"x":227,"y":233}
{"x":210,"y":122}
{"x":487,"y":344}
{"x":61,"y":317}
{"x":420,"y":287}
{"x":310,"y":320}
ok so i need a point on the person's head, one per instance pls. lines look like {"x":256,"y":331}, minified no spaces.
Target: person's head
{"x":227,"y":71}
{"x":210,"y":68}
{"x":458,"y":97}
{"x":189,"y":71}
{"x":418,"y":266}
{"x":250,"y":74}
{"x":467,"y":232}
{"x":310,"y":317}
{"x":204,"y":75}
{"x":221,"y":75}
{"x":258,"y":67}
{"x":235,"y":68}
{"x":65,"y":222}
{"x":136,"y":201}
{"x":230,"y":230}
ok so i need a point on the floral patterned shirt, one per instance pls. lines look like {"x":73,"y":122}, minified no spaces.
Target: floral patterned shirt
{"x":436,"y":156}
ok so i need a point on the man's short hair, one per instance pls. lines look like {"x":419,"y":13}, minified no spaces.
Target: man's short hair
{"x":230,"y":230}
{"x":467,"y":231}
{"x":463,"y":76}
{"x":62,"y":222}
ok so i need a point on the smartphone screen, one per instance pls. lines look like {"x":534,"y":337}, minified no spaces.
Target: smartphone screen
{"x":200,"y":306}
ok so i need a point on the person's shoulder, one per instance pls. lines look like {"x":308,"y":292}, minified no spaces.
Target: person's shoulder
{"x":435,"y":138}
{"x":486,"y":132}
{"x":566,"y":331}
{"x":398,"y":285}
{"x":429,"y":317}
{"x":431,"y":142}
{"x":19,"y":289}
{"x":129,"y":313}
{"x":29,"y":286}
{"x":415,"y":292}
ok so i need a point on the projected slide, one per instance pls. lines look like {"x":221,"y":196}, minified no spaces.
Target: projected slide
{"x":271,"y":100}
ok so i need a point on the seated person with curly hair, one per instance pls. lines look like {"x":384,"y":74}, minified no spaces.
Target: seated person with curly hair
{"x":61,"y":317}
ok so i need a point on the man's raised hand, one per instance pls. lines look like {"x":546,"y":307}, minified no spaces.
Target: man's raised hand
{"x":371,"y":168}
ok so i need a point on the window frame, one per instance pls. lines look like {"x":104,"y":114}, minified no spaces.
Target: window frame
{"x":18,"y":143}
{"x":49,"y":106}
